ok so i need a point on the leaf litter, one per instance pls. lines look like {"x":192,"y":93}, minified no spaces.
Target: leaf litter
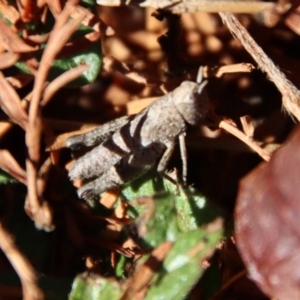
{"x":149,"y":239}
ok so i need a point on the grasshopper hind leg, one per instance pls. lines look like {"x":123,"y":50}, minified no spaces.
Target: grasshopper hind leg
{"x":117,"y":175}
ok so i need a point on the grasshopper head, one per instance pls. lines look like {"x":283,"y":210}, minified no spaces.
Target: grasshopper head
{"x":191,"y":99}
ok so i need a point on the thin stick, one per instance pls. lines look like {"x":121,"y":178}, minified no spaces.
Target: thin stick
{"x":229,"y":283}
{"x":219,"y":71}
{"x":290,"y":94}
{"x":183,"y":6}
{"x":247,"y":140}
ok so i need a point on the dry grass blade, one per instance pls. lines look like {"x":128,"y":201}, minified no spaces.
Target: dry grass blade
{"x":55,"y":7}
{"x":7,"y":59}
{"x":229,"y":284}
{"x":61,"y":81}
{"x":10,"y":165}
{"x":290,"y":94}
{"x":11,"y":103}
{"x":139,"y":282}
{"x":22,"y":266}
{"x":58,"y":38}
{"x":38,"y":38}
{"x":12,"y":42}
{"x":243,"y":137}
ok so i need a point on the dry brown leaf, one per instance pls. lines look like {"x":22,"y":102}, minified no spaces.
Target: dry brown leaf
{"x":134,"y":107}
{"x":60,"y":140}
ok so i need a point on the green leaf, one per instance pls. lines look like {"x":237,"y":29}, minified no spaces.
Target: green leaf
{"x":193,"y":208}
{"x":183,"y":216}
{"x":88,"y":287}
{"x":183,"y":267}
{"x":120,"y":267}
{"x":146,"y":185}
{"x":165,"y":212}
{"x":170,"y":210}
{"x":5,"y":178}
{"x":160,"y":221}
{"x":92,"y":56}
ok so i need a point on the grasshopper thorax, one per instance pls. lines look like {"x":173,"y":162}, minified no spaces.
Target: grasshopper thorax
{"x":191,"y":99}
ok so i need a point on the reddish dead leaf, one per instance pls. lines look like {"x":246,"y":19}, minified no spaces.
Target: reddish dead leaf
{"x":10,"y":165}
{"x":11,"y":103}
{"x":268,"y":223}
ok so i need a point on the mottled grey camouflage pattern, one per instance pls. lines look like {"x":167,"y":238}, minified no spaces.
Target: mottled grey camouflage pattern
{"x":130,"y":146}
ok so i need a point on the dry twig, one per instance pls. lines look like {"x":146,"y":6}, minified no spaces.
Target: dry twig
{"x":228,"y":126}
{"x":57,"y":39}
{"x":22,"y":266}
{"x":139,"y":282}
{"x":182,"y":6}
{"x":290,"y":94}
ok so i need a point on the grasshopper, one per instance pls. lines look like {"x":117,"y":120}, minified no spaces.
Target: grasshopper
{"x":129,"y":146}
